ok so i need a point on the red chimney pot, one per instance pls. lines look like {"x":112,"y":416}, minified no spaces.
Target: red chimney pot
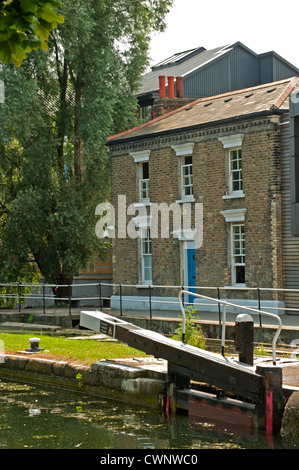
{"x":179,"y":87}
{"x":162,"y":89}
{"x":170,"y":87}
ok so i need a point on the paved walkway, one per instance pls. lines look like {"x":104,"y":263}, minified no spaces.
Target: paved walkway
{"x":288,"y":320}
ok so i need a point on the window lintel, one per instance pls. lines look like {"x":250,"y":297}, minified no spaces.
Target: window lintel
{"x":183,"y":149}
{"x":234,"y":215}
{"x":231,"y":141}
{"x":141,"y":156}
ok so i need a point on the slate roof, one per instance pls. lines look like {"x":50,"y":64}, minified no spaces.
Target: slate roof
{"x":267,"y":98}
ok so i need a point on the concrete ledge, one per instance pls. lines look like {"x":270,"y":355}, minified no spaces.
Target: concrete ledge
{"x":28,"y":326}
{"x":39,"y":366}
{"x":148,"y":390}
{"x":109,"y":380}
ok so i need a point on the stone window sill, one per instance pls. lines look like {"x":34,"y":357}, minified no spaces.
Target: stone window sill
{"x":236,"y":195}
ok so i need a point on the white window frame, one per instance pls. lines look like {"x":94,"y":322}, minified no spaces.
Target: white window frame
{"x":237,"y":252}
{"x":187,"y":177}
{"x":146,"y":256}
{"x":143,"y":184}
{"x":183,"y":151}
{"x":232,"y":144}
{"x":140,"y":158}
{"x":235,"y":171}
{"x":235,"y":217}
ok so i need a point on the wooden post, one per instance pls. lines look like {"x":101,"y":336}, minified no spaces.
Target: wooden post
{"x":244,"y":338}
{"x":270,"y":409}
{"x":175,"y":381}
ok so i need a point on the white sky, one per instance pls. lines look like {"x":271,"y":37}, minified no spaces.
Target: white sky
{"x":261,"y":25}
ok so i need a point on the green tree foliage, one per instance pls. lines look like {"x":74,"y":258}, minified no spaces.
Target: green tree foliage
{"x":60,"y":107}
{"x":25,"y":25}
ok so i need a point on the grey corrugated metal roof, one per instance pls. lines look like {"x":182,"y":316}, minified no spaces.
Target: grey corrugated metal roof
{"x":178,"y":57}
{"x":150,"y":81}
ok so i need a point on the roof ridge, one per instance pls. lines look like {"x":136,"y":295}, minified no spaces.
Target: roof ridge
{"x":291,"y":84}
{"x":243,"y":90}
{"x":286,"y":92}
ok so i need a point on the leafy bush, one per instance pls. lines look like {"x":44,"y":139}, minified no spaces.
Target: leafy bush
{"x":193,"y":332}
{"x":9,"y":295}
{"x":10,"y":277}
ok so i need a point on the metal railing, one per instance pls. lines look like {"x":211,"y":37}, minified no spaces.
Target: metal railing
{"x":226,"y":304}
{"x":41,"y":293}
{"x":256,"y":296}
{"x":124,"y":292}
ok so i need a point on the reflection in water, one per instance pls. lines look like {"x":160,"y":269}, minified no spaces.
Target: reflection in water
{"x":43,"y":418}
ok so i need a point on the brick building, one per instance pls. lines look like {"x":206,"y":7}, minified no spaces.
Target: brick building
{"x":229,"y":156}
{"x":179,"y":80}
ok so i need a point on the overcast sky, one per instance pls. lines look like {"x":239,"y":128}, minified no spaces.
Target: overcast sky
{"x":261,"y":25}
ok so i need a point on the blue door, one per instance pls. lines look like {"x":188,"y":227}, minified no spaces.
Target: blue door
{"x":191,"y":273}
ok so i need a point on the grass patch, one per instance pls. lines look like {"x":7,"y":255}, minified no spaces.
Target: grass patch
{"x":83,"y":350}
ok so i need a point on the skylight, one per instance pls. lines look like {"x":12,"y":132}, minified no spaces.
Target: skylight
{"x":175,"y":58}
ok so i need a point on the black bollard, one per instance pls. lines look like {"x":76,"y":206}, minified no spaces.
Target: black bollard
{"x":244,"y":338}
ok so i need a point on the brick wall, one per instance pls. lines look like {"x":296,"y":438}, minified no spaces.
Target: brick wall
{"x":166,"y":105}
{"x":125,"y":251}
{"x":262,"y":201}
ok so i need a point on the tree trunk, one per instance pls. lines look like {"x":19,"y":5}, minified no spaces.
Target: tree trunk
{"x":62,"y":120}
{"x":78,"y":143}
{"x":63,"y":290}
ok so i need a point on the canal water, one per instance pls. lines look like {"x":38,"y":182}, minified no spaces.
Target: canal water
{"x":33,"y":417}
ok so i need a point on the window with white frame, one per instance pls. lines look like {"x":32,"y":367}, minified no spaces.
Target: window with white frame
{"x":233,"y":151}
{"x":235,"y":171}
{"x":185,"y":154}
{"x":238,"y":253}
{"x":144,"y":181}
{"x":235,"y":218}
{"x":146,"y":256}
{"x":187,"y":177}
{"x":141,"y":159}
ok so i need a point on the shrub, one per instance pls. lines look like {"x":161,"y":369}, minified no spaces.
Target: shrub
{"x":193,"y":332}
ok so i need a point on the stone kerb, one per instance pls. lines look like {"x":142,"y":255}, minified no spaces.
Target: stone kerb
{"x":101,"y":378}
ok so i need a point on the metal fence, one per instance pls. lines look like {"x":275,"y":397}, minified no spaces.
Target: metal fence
{"x":226,"y":304}
{"x":20,"y":293}
{"x":257,"y":296}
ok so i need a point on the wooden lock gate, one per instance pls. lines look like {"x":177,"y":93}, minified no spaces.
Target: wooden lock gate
{"x":257,"y":391}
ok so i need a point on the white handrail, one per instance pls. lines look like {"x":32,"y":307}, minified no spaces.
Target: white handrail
{"x":226,"y":304}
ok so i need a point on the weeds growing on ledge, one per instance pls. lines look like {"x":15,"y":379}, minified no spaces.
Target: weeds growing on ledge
{"x":193,"y":332}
